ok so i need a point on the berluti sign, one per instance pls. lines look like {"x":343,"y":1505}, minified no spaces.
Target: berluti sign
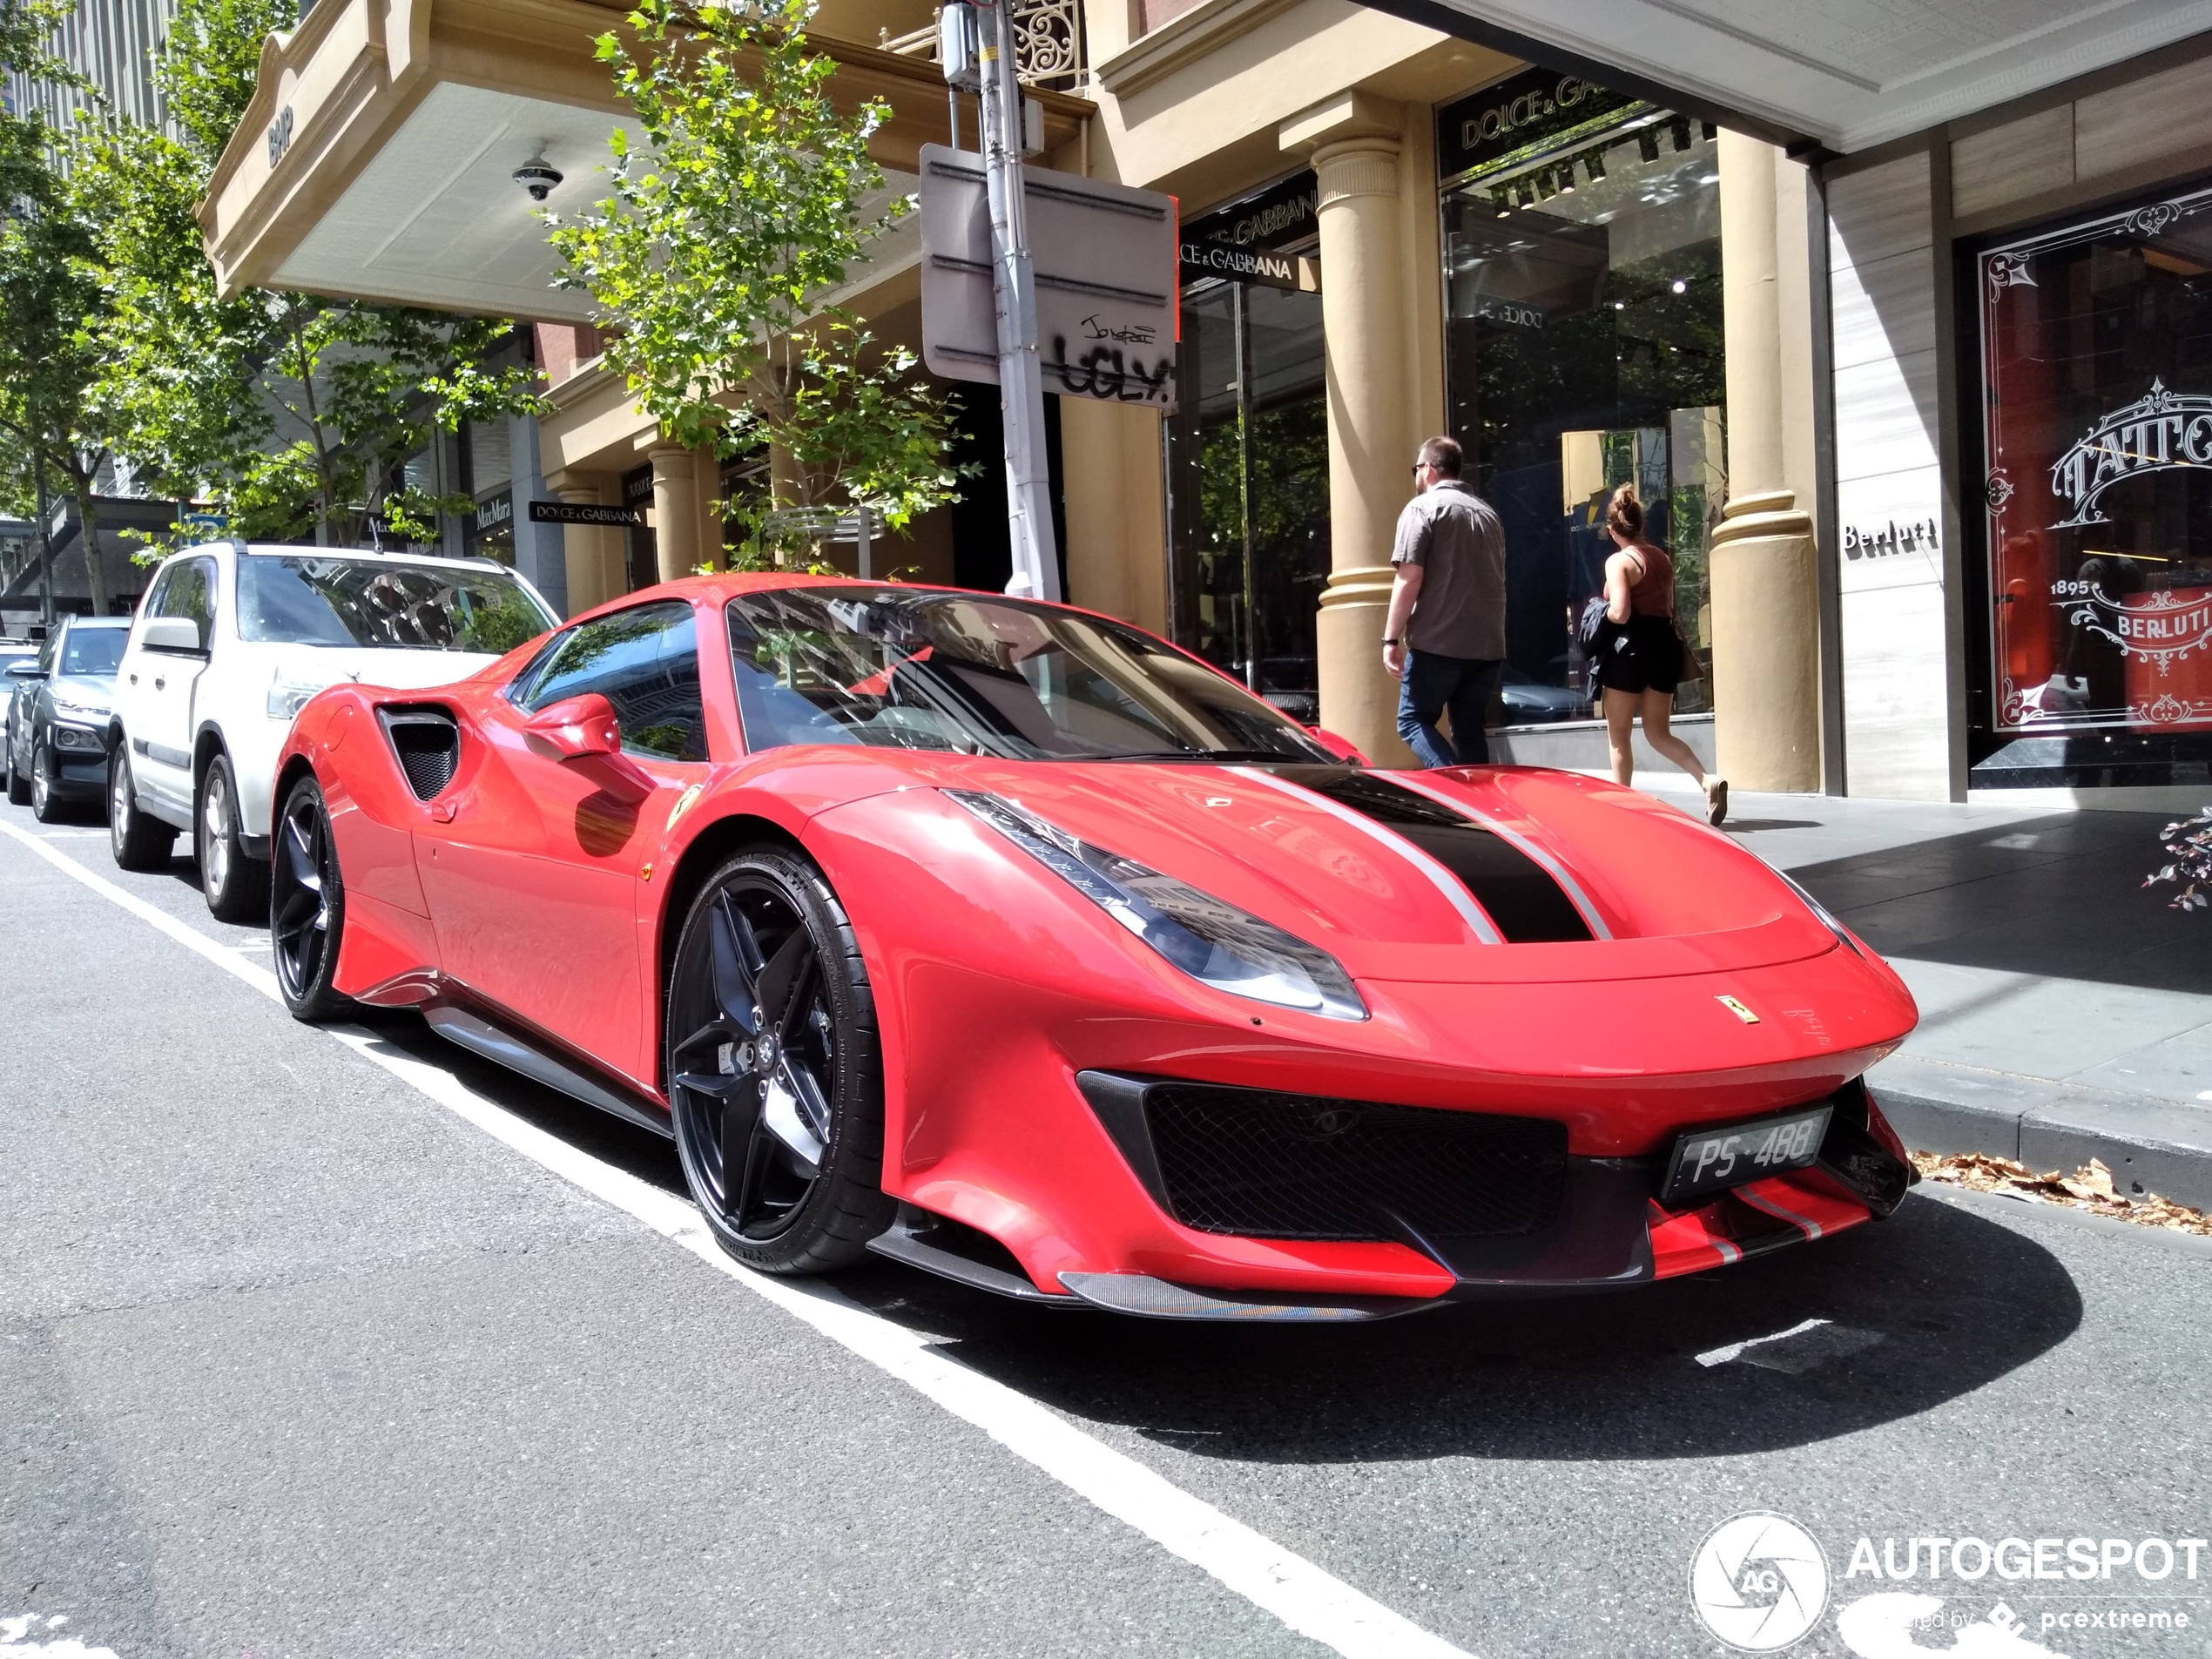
{"x":1244,"y":241}
{"x":1511,"y":115}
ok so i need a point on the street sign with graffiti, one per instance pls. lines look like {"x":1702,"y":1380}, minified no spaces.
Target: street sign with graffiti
{"x":1105,"y":260}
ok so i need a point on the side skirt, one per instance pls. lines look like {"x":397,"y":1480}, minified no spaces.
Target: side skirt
{"x":481,"y":1036}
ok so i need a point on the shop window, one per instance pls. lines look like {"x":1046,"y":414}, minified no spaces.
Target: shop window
{"x":1582,"y":266}
{"x":2096,"y":342}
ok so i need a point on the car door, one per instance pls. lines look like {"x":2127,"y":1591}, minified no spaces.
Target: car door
{"x":157,"y":688}
{"x":532,"y":870}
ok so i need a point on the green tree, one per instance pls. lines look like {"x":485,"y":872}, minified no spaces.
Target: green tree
{"x":709,"y":261}
{"x":49,"y":363}
{"x":192,"y":386}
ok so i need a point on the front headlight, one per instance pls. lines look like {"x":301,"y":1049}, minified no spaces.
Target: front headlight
{"x":288,"y":696}
{"x":1215,"y":943}
{"x":76,"y":737}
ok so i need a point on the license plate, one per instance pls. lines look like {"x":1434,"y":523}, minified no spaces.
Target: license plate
{"x":1707,"y":1161}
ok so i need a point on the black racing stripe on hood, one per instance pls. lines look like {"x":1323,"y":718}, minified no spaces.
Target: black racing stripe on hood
{"x":1519,"y":895}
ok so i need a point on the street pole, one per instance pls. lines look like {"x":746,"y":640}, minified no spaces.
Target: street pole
{"x":45,"y":540}
{"x":1028,"y":487}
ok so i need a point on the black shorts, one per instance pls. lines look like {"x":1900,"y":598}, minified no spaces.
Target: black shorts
{"x":1644,"y":655}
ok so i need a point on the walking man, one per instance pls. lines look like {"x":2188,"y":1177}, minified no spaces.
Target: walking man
{"x":1444,"y":640}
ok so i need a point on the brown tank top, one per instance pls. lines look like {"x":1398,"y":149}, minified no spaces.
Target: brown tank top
{"x":1652,"y":594}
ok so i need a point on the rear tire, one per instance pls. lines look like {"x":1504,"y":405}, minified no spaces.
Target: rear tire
{"x":236,"y":887}
{"x":137,"y":841}
{"x":45,"y":805}
{"x":306,"y":906}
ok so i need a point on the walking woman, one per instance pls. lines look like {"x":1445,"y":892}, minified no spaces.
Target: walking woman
{"x":1641,"y":659}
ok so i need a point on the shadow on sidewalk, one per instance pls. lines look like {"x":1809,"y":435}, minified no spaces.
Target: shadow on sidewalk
{"x":2058,"y":897}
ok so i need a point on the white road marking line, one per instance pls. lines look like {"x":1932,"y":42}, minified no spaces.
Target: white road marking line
{"x":1313,"y":1603}
{"x":1721,"y":1356}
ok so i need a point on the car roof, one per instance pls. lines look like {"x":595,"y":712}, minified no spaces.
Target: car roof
{"x":364,"y":555}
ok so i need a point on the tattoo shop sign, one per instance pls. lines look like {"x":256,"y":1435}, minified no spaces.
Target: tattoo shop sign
{"x":1104,"y":257}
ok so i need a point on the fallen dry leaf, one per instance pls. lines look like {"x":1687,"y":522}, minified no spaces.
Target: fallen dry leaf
{"x":2090,"y":1189}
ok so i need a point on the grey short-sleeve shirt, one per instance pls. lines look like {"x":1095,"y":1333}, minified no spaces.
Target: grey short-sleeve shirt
{"x":1454,"y":536}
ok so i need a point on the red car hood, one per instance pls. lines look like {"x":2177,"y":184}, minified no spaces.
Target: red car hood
{"x":1662,"y":893}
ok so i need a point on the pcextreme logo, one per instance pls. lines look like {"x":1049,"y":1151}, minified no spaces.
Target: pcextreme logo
{"x":1760,"y":1583}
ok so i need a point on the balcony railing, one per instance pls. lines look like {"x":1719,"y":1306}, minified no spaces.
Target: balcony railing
{"x":1047,"y":43}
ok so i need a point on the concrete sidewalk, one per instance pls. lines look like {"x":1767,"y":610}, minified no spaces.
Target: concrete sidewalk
{"x":2066,"y":1012}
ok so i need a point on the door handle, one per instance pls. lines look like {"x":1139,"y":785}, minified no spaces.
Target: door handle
{"x":443,"y":812}
{"x":160,"y":683}
{"x":134,"y":679}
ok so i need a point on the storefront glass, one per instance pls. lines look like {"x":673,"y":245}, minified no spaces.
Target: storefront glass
{"x":1582,"y":268}
{"x":2096,"y":343}
{"x":1249,"y":451}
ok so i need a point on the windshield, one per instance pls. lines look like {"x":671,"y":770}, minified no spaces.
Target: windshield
{"x":971,"y":674}
{"x":93,"y":651}
{"x":315,"y":601}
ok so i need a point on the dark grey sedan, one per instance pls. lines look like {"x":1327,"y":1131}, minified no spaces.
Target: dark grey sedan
{"x":55,"y":750}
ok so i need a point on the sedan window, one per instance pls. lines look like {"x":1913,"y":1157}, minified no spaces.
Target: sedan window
{"x":646,"y":662}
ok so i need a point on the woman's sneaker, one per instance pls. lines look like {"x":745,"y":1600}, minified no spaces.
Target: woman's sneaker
{"x":1716,"y":800}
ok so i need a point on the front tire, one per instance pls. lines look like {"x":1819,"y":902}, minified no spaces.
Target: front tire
{"x":306,"y":906}
{"x":45,"y":805}
{"x":236,"y":888}
{"x":137,"y":841}
{"x":775,"y":1074}
{"x":19,"y":786}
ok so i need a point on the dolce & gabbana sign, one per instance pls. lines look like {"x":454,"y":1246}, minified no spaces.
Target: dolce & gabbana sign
{"x":1512,"y":114}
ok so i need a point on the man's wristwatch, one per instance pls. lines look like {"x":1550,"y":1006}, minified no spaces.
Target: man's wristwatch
{"x":1395,"y":639}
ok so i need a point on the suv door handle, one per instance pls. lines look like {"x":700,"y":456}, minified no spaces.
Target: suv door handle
{"x":160,"y":683}
{"x":134,"y":679}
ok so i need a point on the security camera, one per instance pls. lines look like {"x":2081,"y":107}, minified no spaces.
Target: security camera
{"x":538,"y":177}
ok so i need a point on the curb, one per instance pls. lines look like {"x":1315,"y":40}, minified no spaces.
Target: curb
{"x":2149,"y":1145}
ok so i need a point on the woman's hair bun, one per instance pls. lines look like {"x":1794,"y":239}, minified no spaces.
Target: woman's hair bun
{"x":1624,"y":512}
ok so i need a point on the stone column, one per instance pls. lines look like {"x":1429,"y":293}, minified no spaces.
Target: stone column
{"x":592,"y":554}
{"x":1765,"y":589}
{"x":1353,"y":140}
{"x":676,"y":510}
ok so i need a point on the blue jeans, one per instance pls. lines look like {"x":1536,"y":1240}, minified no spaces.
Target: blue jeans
{"x":1434,"y":685}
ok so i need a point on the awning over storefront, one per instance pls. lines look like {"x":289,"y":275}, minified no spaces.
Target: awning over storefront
{"x":1844,"y":74}
{"x":377,"y":161}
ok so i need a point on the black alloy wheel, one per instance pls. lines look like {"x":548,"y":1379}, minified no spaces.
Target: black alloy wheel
{"x":306,"y":906}
{"x":139,"y":842}
{"x":45,"y":805}
{"x":236,"y":886}
{"x":775,"y":1074}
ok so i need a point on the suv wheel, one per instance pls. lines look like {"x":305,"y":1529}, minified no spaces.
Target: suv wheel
{"x":137,"y":841}
{"x":45,"y":806}
{"x":236,"y":886}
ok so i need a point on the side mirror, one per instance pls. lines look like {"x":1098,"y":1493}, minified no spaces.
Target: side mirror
{"x":575,"y":728}
{"x":26,"y":669}
{"x":170,"y":633}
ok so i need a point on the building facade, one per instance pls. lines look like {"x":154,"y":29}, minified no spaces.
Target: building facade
{"x":1906,"y":371}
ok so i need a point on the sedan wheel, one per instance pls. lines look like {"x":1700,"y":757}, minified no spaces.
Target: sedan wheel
{"x":306,"y":906}
{"x":236,"y":887}
{"x":18,"y":784}
{"x":775,"y":1077}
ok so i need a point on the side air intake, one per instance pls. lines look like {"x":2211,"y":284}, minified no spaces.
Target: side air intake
{"x":427,"y":745}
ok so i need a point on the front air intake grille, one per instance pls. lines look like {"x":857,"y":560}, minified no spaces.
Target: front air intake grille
{"x":1268,"y":1165}
{"x":427,"y":745}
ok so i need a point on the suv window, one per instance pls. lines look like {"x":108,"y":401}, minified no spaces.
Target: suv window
{"x":187,"y":590}
{"x":646,"y":662}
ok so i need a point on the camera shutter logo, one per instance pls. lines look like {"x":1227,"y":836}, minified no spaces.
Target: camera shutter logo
{"x":1759,"y":1582}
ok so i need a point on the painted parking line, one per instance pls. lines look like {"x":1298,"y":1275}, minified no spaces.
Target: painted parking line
{"x":1310,"y":1601}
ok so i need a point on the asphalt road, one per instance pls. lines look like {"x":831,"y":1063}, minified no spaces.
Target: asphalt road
{"x":351,"y":1345}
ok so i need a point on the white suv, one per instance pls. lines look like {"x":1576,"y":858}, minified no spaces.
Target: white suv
{"x":230,"y":643}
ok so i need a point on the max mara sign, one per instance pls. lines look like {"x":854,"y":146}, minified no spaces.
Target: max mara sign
{"x":2160,"y":432}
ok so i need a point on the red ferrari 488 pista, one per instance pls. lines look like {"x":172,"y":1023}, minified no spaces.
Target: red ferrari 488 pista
{"x":1010,"y":942}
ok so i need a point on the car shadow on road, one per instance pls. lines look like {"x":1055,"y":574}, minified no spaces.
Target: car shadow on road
{"x":1924,"y":1308}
